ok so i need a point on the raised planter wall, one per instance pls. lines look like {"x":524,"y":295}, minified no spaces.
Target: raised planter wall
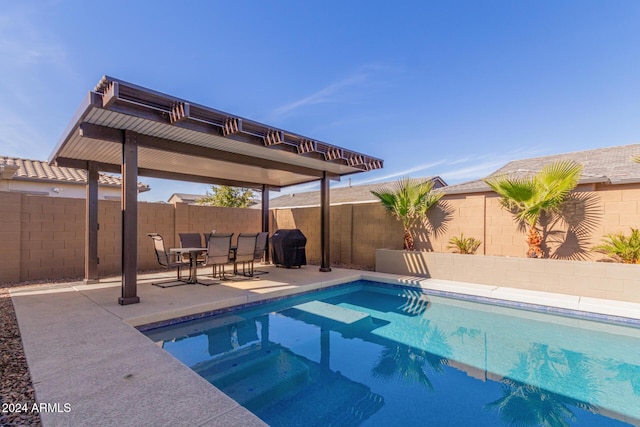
{"x":583,"y":278}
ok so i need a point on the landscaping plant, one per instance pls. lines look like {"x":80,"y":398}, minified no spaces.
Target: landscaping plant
{"x":408,"y":201}
{"x":621,"y":248}
{"x":225,"y":196}
{"x":527,"y":197}
{"x":463,"y":245}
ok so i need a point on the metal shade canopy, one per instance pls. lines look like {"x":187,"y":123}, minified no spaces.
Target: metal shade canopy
{"x":127,"y":129}
{"x":185,"y":141}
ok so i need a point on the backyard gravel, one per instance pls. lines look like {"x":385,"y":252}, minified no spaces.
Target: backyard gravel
{"x":16,"y":387}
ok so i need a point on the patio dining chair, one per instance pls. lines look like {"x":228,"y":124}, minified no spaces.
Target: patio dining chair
{"x":261,"y":246}
{"x":191,"y":240}
{"x":206,"y":242}
{"x":245,"y":253}
{"x":205,"y":236}
{"x":168,"y":261}
{"x":219,"y":253}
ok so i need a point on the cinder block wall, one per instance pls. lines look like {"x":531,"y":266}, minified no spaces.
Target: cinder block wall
{"x":358,"y":229}
{"x":51,"y":237}
{"x":10,"y":236}
{"x":42,"y":237}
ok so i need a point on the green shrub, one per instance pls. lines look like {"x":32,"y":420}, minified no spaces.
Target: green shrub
{"x":621,"y":248}
{"x":463,"y":245}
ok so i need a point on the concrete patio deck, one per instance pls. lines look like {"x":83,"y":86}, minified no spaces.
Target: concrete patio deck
{"x":83,"y":350}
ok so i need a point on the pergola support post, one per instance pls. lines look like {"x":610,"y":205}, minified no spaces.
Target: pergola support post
{"x":265,"y":220}
{"x":129,"y":220}
{"x":325,"y":231}
{"x":91,"y":229}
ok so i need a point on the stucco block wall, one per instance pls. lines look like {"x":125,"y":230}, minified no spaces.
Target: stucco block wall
{"x":52,"y":238}
{"x":10,"y":236}
{"x":109,"y":237}
{"x":204,"y":219}
{"x":356,"y":230}
{"x":43,"y":237}
{"x":593,"y":212}
{"x":308,"y":221}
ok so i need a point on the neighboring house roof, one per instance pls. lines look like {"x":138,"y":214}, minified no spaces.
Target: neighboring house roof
{"x":37,"y":170}
{"x":184,"y":198}
{"x":338,"y":195}
{"x":611,"y":165}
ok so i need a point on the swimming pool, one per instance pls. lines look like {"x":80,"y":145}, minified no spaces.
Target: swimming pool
{"x":369,"y":354}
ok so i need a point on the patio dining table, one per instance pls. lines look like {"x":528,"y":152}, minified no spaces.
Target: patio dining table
{"x":193,"y":258}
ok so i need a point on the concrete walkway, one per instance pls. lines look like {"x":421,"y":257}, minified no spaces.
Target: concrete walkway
{"x":83,"y":350}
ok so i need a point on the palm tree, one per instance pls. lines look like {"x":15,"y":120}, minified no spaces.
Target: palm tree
{"x":530,"y":196}
{"x":408,"y":201}
{"x":408,"y":365}
{"x":621,"y":248}
{"x":524,"y":402}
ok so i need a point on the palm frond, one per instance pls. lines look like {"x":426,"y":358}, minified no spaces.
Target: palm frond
{"x":556,"y":181}
{"x":620,"y":247}
{"x":528,"y":196}
{"x":408,"y":200}
{"x":464,"y":245}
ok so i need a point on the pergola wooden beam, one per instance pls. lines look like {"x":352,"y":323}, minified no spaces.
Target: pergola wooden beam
{"x":325,"y":230}
{"x":231,"y":126}
{"x":91,"y":224}
{"x":179,"y":112}
{"x":129,"y":205}
{"x":176,"y":176}
{"x":173,"y":176}
{"x":273,"y":137}
{"x":265,"y":219}
{"x":103,"y":133}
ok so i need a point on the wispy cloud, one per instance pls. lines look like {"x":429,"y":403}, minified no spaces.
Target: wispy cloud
{"x":334,"y":93}
{"x":465,"y":168}
{"x":404,"y":172}
{"x":484,"y":164}
{"x":470,"y":167}
{"x":328,"y":94}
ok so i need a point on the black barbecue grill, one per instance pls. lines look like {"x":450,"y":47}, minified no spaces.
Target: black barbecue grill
{"x":288,"y":248}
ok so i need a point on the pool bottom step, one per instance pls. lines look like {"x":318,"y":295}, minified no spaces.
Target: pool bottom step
{"x":258,"y":377}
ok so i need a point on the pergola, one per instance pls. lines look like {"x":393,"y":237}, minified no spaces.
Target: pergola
{"x":127,"y":129}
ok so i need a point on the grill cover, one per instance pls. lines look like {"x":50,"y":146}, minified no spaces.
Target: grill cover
{"x":288,"y":248}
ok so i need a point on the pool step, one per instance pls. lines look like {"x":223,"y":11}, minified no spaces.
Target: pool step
{"x":331,"y":312}
{"x":329,"y":316}
{"x":250,"y":379}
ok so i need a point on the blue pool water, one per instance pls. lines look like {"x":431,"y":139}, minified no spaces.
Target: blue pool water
{"x":372,"y":355}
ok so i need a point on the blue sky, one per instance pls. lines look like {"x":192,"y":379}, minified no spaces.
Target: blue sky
{"x":450,"y":88}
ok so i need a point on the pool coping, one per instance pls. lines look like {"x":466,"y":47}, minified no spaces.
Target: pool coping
{"x":596,"y":309}
{"x":62,"y":363}
{"x":600,"y":310}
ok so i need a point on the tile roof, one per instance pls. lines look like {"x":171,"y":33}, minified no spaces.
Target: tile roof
{"x":349,"y":194}
{"x":611,"y":165}
{"x":37,"y":170}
